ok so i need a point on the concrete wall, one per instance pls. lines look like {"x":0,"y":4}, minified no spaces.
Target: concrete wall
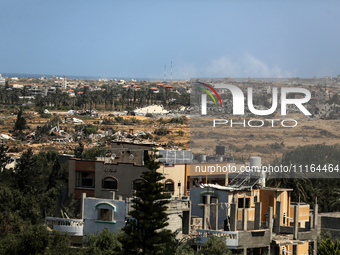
{"x":91,"y":215}
{"x":125,"y":173}
{"x":303,"y":214}
{"x":329,"y":222}
{"x":196,"y":197}
{"x":77,"y":165}
{"x":269,"y":196}
{"x":250,"y":214}
{"x":254,"y":239}
{"x":179,"y":216}
{"x":175,"y":173}
{"x":302,"y":249}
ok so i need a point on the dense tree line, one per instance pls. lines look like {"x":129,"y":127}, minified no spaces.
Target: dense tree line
{"x":112,"y":98}
{"x":27,"y":195}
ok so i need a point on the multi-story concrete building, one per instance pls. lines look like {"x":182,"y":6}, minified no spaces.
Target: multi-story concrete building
{"x":99,"y":179}
{"x":254,"y":218}
{"x":37,"y":91}
{"x":2,"y":80}
{"x":98,"y":213}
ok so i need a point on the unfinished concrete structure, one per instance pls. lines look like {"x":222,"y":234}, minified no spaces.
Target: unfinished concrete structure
{"x":274,"y":235}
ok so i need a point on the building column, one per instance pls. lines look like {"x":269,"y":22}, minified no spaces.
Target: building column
{"x":257,"y":222}
{"x":315,"y":216}
{"x":233,"y":217}
{"x":296,"y":222}
{"x":244,"y":219}
{"x":277,"y":221}
{"x":112,"y":195}
{"x":315,"y":247}
{"x":270,"y":222}
{"x":83,"y":196}
{"x":216,"y":216}
{"x":206,"y":212}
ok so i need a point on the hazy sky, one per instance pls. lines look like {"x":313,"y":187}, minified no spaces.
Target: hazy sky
{"x":202,"y":38}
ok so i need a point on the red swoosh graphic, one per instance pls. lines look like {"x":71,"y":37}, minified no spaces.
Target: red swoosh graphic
{"x":210,"y":87}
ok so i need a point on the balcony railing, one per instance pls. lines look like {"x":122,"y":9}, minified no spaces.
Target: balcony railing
{"x":74,"y":227}
{"x":231,"y":237}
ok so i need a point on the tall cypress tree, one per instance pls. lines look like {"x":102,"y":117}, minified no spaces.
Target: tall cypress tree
{"x":20,"y":123}
{"x":145,"y":234}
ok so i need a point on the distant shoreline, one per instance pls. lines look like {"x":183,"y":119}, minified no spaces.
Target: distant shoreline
{"x":79,"y":77}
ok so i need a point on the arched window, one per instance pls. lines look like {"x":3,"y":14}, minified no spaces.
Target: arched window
{"x":136,"y":184}
{"x":169,"y":186}
{"x":110,"y":183}
{"x":105,"y":212}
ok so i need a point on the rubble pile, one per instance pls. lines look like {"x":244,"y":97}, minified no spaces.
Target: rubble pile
{"x":153,"y":109}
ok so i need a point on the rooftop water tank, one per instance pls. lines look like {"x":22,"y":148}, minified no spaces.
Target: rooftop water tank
{"x":220,"y":150}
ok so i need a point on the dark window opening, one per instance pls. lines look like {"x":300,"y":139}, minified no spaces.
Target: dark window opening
{"x":105,"y":215}
{"x":85,"y":179}
{"x":248,"y":202}
{"x":169,"y":186}
{"x":110,"y":183}
{"x":241,"y":202}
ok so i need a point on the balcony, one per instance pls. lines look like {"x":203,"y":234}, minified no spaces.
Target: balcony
{"x":230,"y":236}
{"x":74,"y":227}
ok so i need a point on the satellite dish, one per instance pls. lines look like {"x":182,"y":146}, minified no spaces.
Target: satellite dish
{"x":131,"y":157}
{"x":113,"y":156}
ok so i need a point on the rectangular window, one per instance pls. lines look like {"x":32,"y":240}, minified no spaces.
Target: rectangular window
{"x":85,"y":179}
{"x":240,"y":203}
{"x":247,"y":202}
{"x":105,"y":215}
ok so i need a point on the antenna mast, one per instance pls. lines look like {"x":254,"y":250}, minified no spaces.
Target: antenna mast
{"x":171,"y":73}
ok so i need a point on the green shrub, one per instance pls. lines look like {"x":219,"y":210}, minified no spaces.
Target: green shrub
{"x":161,"y":131}
{"x":45,"y":115}
{"x":119,"y":119}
